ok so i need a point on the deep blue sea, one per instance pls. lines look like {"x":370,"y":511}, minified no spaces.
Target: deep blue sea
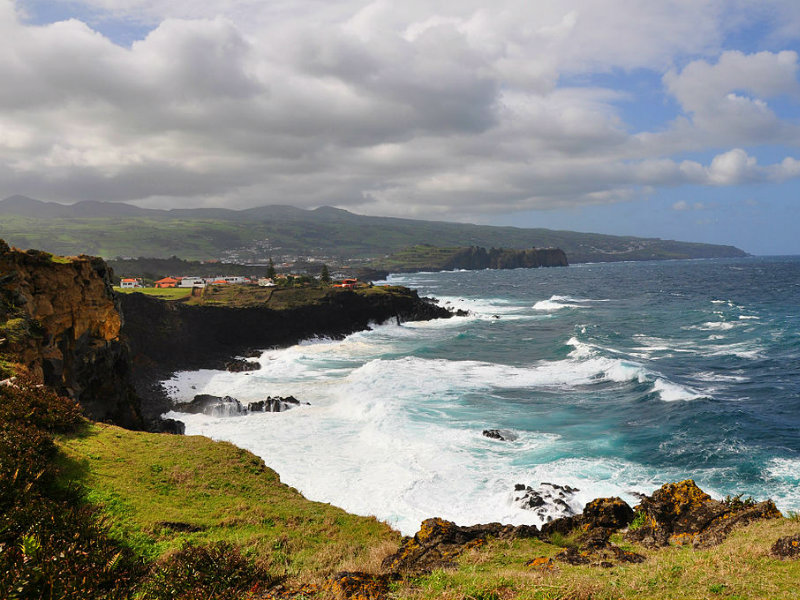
{"x":613,"y":378}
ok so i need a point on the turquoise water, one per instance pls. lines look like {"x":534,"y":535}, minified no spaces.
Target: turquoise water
{"x":613,"y":378}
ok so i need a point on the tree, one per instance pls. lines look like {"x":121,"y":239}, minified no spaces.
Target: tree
{"x":325,"y":276}
{"x":271,"y":269}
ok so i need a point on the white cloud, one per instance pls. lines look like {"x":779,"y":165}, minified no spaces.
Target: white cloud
{"x":444,"y":108}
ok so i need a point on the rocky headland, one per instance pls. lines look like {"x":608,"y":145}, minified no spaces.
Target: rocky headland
{"x":164,"y":337}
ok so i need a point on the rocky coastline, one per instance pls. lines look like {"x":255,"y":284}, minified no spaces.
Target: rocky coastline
{"x":164,"y":337}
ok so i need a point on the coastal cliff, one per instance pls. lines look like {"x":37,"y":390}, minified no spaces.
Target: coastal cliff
{"x":60,"y":322}
{"x":170,"y":336}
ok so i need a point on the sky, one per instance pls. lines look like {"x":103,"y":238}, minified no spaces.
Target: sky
{"x":677,"y":119}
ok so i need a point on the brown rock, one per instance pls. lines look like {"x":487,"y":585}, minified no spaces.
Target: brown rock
{"x":360,"y":586}
{"x":438,"y":543}
{"x":62,"y":324}
{"x":682,"y":513}
{"x":787,"y":547}
{"x":612,"y":513}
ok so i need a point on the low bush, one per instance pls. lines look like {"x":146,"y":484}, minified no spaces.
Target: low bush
{"x":51,"y":543}
{"x":216,"y":571}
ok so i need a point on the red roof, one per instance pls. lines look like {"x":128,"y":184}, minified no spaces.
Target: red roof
{"x":130,"y":280}
{"x":168,"y":280}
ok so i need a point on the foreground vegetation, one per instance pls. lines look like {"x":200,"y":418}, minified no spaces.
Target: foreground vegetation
{"x":95,"y":511}
{"x":740,"y":568}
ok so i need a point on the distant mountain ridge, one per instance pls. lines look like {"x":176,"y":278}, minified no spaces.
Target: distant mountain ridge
{"x":113,"y":229}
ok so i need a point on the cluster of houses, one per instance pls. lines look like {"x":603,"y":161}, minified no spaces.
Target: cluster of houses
{"x":193,"y":282}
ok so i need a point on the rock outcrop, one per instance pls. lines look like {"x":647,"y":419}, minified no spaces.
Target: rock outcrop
{"x":59,"y":320}
{"x":438,"y":543}
{"x":476,"y":257}
{"x":787,"y":547}
{"x":227,"y":406}
{"x":682,"y":513}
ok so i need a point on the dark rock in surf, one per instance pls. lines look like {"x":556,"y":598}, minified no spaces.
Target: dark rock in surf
{"x":550,"y":501}
{"x":240,"y":365}
{"x":215,"y":406}
{"x":500,"y":434}
{"x":276,"y":404}
{"x":173,"y":426}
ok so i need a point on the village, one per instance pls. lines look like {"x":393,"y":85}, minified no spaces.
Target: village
{"x":192,"y":282}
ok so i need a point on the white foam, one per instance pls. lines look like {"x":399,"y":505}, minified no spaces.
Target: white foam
{"x":556,"y":302}
{"x":672,"y":392}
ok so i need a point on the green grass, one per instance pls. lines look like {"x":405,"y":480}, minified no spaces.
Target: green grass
{"x":144,"y":480}
{"x":163,"y":293}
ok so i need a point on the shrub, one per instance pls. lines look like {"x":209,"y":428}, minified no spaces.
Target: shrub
{"x":638,"y":521}
{"x":199,"y":572}
{"x":51,"y":544}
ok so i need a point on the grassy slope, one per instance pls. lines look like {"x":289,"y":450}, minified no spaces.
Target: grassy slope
{"x":144,"y":480}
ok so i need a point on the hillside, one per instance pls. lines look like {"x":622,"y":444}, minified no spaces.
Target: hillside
{"x":117,"y":229}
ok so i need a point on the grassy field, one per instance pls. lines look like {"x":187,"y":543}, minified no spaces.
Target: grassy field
{"x":158,"y":491}
{"x":162,"y":293}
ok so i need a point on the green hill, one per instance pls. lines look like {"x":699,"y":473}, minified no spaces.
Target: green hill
{"x":117,"y":229}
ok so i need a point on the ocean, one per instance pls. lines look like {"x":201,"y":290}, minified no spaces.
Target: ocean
{"x":612,"y":379}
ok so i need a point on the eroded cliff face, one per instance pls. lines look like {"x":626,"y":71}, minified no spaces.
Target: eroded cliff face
{"x":500,"y":258}
{"x":60,"y":321}
{"x":169,"y":336}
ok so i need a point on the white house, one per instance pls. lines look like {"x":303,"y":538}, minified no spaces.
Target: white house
{"x":191,"y":282}
{"x":130,"y":283}
{"x":266,"y":282}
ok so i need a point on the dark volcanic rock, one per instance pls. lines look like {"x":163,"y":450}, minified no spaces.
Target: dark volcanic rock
{"x":500,"y":434}
{"x":226,"y":406}
{"x":439,"y":542}
{"x":215,"y":406}
{"x":549,"y":501}
{"x":276,"y":404}
{"x":239,"y":365}
{"x":787,"y":547}
{"x":607,"y":512}
{"x":173,"y":426}
{"x":682,"y":513}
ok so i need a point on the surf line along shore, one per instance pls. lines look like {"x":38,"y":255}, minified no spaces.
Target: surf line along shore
{"x":165,"y":337}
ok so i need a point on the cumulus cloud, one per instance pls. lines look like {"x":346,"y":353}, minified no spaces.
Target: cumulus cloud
{"x":452,"y":108}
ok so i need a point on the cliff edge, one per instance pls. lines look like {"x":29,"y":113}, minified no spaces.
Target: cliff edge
{"x":60,"y":322}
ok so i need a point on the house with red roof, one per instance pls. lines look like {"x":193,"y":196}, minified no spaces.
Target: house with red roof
{"x":167,"y":282}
